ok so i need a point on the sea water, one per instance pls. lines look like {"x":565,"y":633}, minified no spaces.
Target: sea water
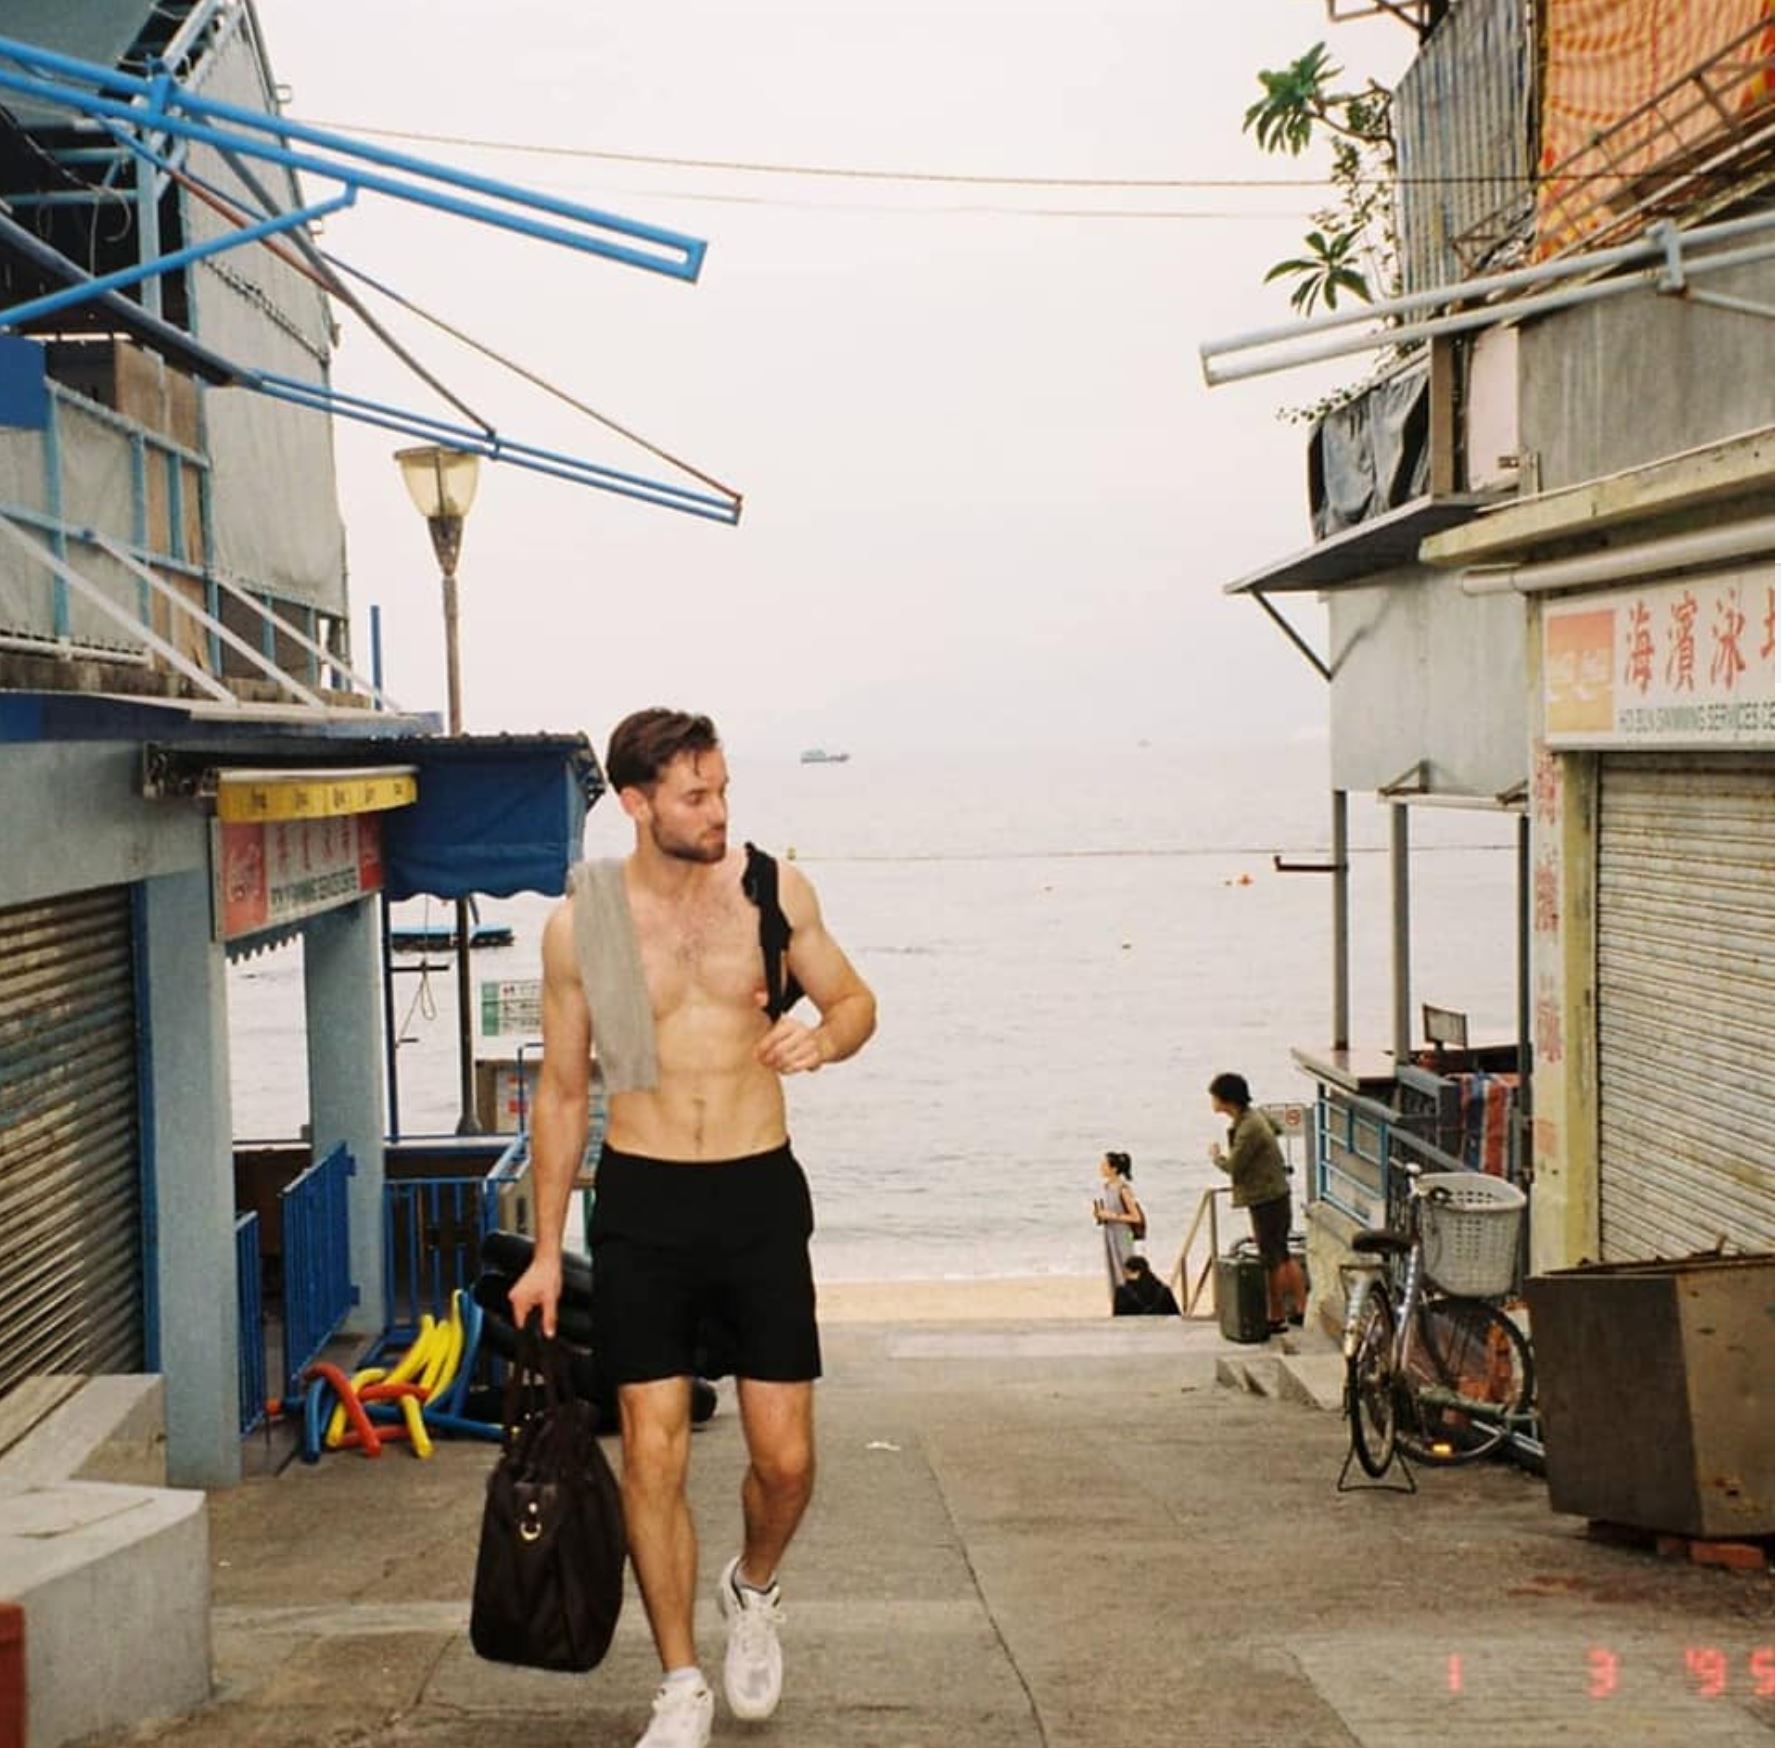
{"x":1065,"y":949}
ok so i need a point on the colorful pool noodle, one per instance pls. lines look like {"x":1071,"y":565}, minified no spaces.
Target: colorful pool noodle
{"x":442,"y":1362}
{"x":337,"y":1420}
{"x":367,"y":1440}
{"x":312,"y":1399}
{"x":395,"y":1410}
{"x":472,"y":1315}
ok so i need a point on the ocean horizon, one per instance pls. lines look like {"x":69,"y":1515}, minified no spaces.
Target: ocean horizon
{"x":1065,"y":945}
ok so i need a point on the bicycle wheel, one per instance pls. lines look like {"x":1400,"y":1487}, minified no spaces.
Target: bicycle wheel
{"x":1368,"y":1394}
{"x":1460,"y":1352}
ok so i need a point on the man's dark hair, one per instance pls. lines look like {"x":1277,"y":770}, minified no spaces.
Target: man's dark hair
{"x":647,"y":742}
{"x":1137,"y":1264}
{"x":1232,"y":1088}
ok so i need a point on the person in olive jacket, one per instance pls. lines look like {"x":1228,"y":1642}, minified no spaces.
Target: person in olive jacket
{"x":1258,"y":1182}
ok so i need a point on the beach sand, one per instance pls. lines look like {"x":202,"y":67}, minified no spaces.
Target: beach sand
{"x":1024,"y":1299}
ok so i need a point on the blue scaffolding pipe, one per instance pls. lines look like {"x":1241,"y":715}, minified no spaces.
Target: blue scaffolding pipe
{"x":101,"y":93}
{"x":88,"y":289}
{"x":150,"y":114}
{"x":492,"y":446}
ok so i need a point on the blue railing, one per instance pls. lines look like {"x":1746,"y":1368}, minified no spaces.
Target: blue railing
{"x":1358,"y":1143}
{"x":432,"y":1234}
{"x":251,"y":1364}
{"x":318,"y":1287}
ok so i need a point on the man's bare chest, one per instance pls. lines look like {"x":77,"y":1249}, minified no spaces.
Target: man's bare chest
{"x":708,"y":952}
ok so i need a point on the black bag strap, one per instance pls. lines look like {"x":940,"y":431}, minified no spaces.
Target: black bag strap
{"x":760,"y":886}
{"x":539,"y":1373}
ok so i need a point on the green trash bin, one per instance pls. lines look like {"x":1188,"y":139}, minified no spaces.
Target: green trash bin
{"x":1656,"y":1386}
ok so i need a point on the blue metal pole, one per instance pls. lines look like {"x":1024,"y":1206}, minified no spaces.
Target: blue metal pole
{"x":88,"y":289}
{"x":493,"y":447}
{"x":689,"y":250}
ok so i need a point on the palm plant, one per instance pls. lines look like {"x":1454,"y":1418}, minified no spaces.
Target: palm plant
{"x":1352,"y":248}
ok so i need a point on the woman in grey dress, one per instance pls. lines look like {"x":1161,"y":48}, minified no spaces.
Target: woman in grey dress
{"x":1117,"y":1214}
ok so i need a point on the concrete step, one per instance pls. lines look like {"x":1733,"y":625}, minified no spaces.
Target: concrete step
{"x":115,"y":1587}
{"x":1258,"y":1372}
{"x":1312,"y":1379}
{"x":95,"y":1429}
{"x":109,"y":1566}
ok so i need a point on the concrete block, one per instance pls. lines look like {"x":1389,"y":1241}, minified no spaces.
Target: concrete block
{"x":109,"y":1429}
{"x":1259,"y":1374}
{"x":1313,"y":1379}
{"x":114,"y":1583}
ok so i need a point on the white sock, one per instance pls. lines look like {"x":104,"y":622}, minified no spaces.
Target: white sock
{"x":686,"y":1676}
{"x":742,"y":1583}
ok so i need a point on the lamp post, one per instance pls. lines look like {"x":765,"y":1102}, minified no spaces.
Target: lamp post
{"x":442,"y":483}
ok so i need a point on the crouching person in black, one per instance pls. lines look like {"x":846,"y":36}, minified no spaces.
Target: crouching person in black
{"x":1141,"y":1294}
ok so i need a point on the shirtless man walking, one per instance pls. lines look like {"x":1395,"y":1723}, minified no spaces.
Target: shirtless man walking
{"x":700,"y":1209}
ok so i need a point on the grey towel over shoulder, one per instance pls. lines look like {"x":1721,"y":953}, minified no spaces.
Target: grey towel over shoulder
{"x":612,"y":976}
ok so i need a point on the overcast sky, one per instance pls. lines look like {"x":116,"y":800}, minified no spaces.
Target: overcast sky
{"x":989,"y":499}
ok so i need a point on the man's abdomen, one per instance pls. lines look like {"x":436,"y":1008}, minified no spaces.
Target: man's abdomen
{"x":701,"y":1117}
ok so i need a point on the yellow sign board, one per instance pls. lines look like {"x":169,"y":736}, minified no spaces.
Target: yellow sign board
{"x":269,"y":797}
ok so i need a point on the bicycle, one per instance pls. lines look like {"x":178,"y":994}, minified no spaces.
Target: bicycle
{"x":1442,"y":1376}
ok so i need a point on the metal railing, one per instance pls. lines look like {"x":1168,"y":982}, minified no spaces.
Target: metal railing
{"x":433,"y":1229}
{"x":1701,"y":144}
{"x":250,"y":1371}
{"x":318,"y":1285}
{"x":1357,"y":1142}
{"x":1205,"y":1218}
{"x":1361,"y":1148}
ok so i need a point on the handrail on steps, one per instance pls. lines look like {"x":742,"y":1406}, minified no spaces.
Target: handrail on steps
{"x":1206,"y":1214}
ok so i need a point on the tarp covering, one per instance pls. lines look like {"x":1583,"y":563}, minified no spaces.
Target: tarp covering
{"x":1636,"y":94}
{"x":1371,"y":455}
{"x":495,"y":816}
{"x":257,"y":311}
{"x":93,"y":30}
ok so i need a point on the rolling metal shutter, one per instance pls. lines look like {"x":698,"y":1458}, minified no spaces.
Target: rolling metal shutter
{"x":70,"y":1161}
{"x":1685,"y":967}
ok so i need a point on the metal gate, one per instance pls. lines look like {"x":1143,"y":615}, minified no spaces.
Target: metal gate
{"x":1685,"y":968}
{"x":70,"y":1162}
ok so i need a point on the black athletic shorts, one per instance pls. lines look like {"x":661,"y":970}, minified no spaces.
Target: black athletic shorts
{"x":702,"y":1269}
{"x":1271,"y":1222}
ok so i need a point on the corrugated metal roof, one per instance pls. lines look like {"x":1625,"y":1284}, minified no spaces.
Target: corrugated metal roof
{"x":1462,"y":123}
{"x":210,"y":750}
{"x":92,"y":30}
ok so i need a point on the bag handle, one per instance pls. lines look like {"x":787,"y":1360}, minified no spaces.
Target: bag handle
{"x":540,"y":1368}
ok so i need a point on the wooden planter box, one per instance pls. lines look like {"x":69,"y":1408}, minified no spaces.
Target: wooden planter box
{"x":1656,"y":1386}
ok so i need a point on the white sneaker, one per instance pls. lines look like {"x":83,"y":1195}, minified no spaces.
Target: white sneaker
{"x":681,"y":1717}
{"x":754,"y":1666}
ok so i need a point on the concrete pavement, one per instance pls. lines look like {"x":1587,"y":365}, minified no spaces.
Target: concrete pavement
{"x":1062,"y":1534}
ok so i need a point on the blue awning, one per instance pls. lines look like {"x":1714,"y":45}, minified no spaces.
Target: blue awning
{"x":497,"y":814}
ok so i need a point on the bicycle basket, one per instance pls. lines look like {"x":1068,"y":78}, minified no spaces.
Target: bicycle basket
{"x":1470,"y":1235}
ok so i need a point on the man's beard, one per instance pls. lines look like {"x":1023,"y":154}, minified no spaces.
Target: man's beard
{"x":706,"y":851}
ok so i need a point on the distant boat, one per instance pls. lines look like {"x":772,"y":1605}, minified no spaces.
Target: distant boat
{"x":424,"y":937}
{"x":821,"y":756}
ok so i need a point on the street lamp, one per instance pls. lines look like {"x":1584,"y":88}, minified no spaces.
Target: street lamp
{"x":442,"y":483}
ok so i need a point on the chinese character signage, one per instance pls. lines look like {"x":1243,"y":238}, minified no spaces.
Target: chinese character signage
{"x":277,"y":872}
{"x":1689,"y":663}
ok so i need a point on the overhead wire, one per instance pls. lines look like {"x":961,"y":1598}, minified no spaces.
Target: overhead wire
{"x":976,"y":210}
{"x":856,"y":173}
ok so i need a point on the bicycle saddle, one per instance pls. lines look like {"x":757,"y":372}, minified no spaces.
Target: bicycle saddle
{"x":1377,"y":1242}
